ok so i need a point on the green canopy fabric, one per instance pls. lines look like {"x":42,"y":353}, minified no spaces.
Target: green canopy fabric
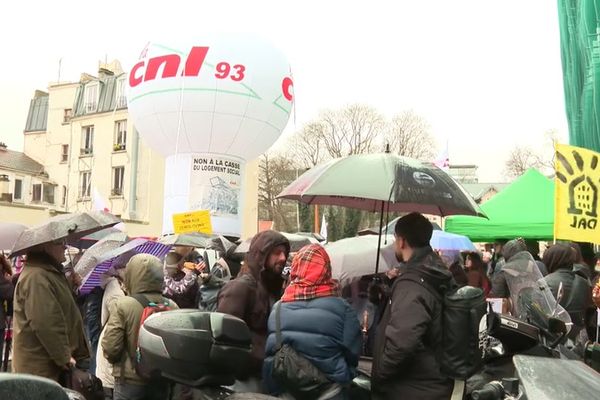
{"x":523,"y":209}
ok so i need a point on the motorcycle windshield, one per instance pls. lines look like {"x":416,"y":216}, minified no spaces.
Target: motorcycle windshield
{"x":531,"y":298}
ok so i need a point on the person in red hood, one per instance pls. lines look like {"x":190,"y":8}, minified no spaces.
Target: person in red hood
{"x":257,"y":287}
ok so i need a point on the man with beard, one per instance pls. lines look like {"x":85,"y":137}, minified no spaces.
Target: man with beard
{"x":257,"y":287}
{"x":409,"y":336}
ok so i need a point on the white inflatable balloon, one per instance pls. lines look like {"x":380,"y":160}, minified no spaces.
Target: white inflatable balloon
{"x":209,"y":106}
{"x":227,"y":95}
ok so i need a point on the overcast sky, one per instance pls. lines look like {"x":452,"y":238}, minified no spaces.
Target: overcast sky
{"x":484,"y":74}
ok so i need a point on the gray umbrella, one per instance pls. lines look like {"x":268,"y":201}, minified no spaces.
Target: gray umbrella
{"x":97,"y":253}
{"x":221,"y":244}
{"x":89,"y":240}
{"x":63,"y":227}
{"x":9,"y":233}
{"x":187,"y":239}
{"x":296,"y":243}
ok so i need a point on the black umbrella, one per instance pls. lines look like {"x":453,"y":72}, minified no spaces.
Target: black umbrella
{"x":380,"y":182}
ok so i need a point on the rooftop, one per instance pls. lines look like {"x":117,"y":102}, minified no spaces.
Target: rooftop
{"x":38,"y":113}
{"x":18,"y":161}
{"x":477,"y":190}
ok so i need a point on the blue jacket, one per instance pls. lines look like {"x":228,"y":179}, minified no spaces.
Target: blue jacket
{"x":325,"y":331}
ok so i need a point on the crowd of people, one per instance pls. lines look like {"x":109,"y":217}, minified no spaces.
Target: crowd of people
{"x":396,"y":321}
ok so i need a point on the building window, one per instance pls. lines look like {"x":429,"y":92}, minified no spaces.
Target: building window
{"x":36,"y":193}
{"x":120,"y":135}
{"x":87,"y":140}
{"x":64,"y":155}
{"x":120,"y":95}
{"x":85,"y":184}
{"x":18,"y":192}
{"x":68,"y":114}
{"x":91,"y":97}
{"x":48,"y":193}
{"x":64,"y":196}
{"x":117,"y":183}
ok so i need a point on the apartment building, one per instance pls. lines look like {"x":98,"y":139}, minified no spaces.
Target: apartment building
{"x":81,"y":134}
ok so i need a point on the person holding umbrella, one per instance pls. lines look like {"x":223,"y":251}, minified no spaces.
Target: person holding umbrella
{"x":48,"y":329}
{"x":49,"y":338}
{"x":409,"y":335}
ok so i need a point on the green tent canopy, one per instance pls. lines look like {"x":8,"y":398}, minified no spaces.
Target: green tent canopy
{"x":523,"y":209}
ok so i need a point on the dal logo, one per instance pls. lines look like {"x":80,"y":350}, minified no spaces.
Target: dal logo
{"x":582,"y":189}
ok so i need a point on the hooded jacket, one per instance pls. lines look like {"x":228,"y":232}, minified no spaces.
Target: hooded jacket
{"x":143,"y":275}
{"x":499,"y":284}
{"x":251,"y":295}
{"x":577,"y":289}
{"x":409,"y":335}
{"x":48,"y":328}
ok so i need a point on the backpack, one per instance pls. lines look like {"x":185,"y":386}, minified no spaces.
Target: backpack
{"x":462,"y":311}
{"x":150,"y":308}
{"x":208,"y":294}
{"x":296,"y":374}
{"x":82,"y":382}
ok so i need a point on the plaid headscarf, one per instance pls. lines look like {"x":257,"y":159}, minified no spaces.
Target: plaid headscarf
{"x":310,"y":276}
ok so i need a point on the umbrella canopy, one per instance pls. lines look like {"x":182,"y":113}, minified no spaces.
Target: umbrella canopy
{"x":66,"y":227}
{"x":355,"y":257}
{"x":121,"y":255}
{"x":523,"y":209}
{"x":9,"y":233}
{"x":314,"y":235}
{"x":441,"y":240}
{"x":97,"y":253}
{"x":187,"y":239}
{"x":89,"y":240}
{"x":296,"y":243}
{"x":368,"y":181}
{"x":221,"y":244}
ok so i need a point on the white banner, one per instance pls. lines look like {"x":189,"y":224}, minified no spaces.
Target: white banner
{"x":205,"y":181}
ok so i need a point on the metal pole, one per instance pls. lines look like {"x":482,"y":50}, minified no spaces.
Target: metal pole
{"x":379,"y":239}
{"x":317,"y":230}
{"x":297,"y":210}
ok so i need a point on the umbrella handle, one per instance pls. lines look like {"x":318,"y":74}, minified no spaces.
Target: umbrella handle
{"x":379,"y":239}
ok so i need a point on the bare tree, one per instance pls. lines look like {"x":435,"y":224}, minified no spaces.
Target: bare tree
{"x":275,"y":173}
{"x":408,"y":135}
{"x":521,"y":158}
{"x":354,"y":129}
{"x":307,"y":145}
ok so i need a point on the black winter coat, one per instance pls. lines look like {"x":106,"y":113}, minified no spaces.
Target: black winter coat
{"x":251,"y":295}
{"x":577,"y":293}
{"x":409,"y":334}
{"x":6,"y":298}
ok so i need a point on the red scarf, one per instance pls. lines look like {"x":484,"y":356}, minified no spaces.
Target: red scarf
{"x":310,"y":276}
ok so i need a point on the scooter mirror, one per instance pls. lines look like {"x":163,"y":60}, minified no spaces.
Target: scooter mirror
{"x":556,"y":326}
